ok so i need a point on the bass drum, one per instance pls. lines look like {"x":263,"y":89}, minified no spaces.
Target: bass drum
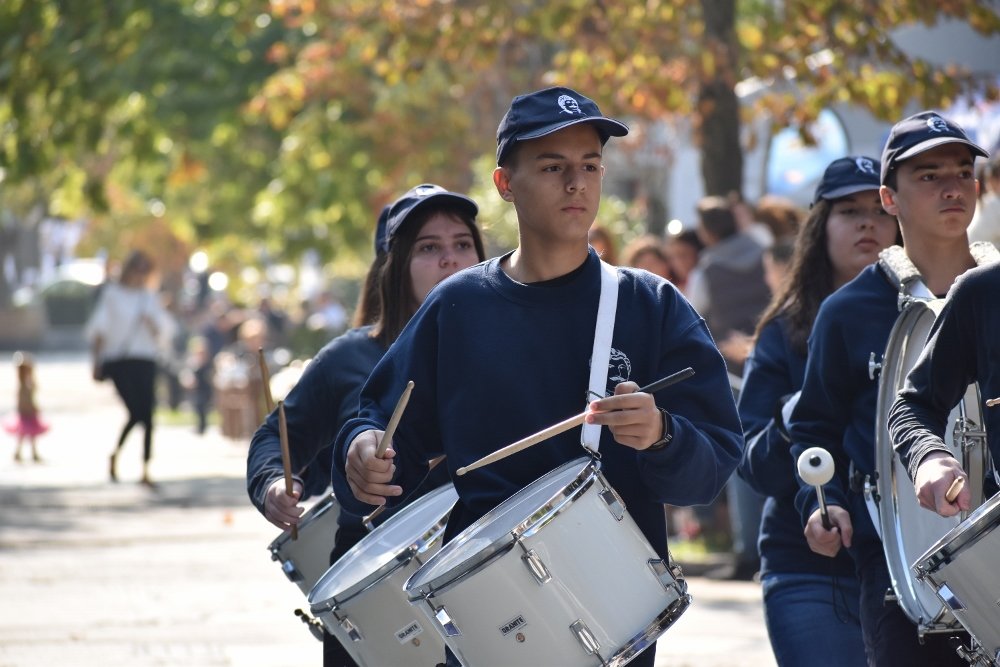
{"x":907,"y":530}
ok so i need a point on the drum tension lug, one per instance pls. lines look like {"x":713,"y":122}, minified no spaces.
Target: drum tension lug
{"x":291,"y":571}
{"x":874,"y":367}
{"x":586,"y":638}
{"x":535,"y":565}
{"x":614,"y":503}
{"x":448,"y":626}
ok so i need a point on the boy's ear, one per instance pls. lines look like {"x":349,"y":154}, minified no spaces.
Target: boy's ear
{"x":888,"y":197}
{"x":501,"y":179}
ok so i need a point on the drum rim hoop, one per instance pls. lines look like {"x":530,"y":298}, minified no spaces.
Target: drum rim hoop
{"x":417,"y":589}
{"x":403,"y":556}
{"x":314,"y":513}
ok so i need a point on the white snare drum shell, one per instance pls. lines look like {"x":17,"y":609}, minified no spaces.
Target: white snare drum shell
{"x":578,"y":585}
{"x":961,"y":569}
{"x":306,"y":559}
{"x":360,"y":598}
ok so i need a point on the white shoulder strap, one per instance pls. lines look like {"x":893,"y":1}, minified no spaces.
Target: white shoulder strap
{"x":590,"y":436}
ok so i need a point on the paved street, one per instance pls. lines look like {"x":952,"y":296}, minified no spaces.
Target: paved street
{"x":94,"y":573}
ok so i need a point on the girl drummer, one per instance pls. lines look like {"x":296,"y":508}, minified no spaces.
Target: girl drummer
{"x":430,"y":234}
{"x":810,"y":601}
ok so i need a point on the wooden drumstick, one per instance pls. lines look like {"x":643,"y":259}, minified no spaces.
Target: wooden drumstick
{"x":955,"y":489}
{"x":565,"y":425}
{"x":266,"y":377}
{"x":286,"y":458}
{"x":383,"y":445}
{"x":390,"y":428}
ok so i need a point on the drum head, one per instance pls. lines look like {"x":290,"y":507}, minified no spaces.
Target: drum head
{"x":907,"y":529}
{"x":378,"y":554}
{"x":497,"y":529}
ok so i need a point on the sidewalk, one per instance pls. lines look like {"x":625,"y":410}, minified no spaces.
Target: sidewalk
{"x":97,"y":574}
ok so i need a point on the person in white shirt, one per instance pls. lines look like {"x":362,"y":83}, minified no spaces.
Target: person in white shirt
{"x":127,"y":329}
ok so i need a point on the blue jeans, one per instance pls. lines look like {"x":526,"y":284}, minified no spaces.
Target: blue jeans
{"x":813,"y":620}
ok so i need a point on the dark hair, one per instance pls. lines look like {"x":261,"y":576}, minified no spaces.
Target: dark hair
{"x":136,"y":262}
{"x":396,"y":301}
{"x":716,"y":217}
{"x":809,"y":279}
{"x":369,"y":310}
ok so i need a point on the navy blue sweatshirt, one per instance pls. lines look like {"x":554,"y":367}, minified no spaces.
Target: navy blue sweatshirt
{"x":494,"y":360}
{"x":773,"y":371}
{"x":963,"y":347}
{"x":324,"y":398}
{"x":837,"y":407}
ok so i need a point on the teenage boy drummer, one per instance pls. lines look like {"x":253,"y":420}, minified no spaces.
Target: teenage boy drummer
{"x":502,"y":350}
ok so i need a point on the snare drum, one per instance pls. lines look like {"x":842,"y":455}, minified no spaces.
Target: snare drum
{"x":908,"y":530}
{"x":306,"y":559}
{"x":360,"y":598}
{"x":961,"y":568}
{"x":557,"y":574}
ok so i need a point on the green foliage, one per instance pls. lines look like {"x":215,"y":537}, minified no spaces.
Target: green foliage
{"x":262,"y":129}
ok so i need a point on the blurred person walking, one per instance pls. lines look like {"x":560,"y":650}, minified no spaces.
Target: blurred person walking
{"x":127,"y":330}
{"x":26,"y":423}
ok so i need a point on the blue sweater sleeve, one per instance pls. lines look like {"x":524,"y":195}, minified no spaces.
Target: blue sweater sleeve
{"x":946,"y":367}
{"x":773,"y":371}
{"x":325,"y":397}
{"x":378,"y":400}
{"x":707,"y":437}
{"x":820,"y":416}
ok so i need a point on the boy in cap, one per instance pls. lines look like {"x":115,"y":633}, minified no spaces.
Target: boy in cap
{"x":928,"y":183}
{"x":502,"y":350}
{"x":963,"y":347}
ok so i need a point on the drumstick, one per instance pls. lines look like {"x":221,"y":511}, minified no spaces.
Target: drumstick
{"x":566,"y":425}
{"x":266,"y":377}
{"x":286,"y":458}
{"x":390,"y":428}
{"x":383,"y":445}
{"x":955,"y":489}
{"x":990,"y":402}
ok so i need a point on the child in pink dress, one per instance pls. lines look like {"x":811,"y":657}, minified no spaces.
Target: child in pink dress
{"x":26,"y":424}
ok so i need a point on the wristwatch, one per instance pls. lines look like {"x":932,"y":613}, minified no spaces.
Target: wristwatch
{"x":667,"y":435}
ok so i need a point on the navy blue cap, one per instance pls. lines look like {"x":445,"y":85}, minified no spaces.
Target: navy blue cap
{"x":383,"y":219}
{"x":847,"y":175}
{"x":922,"y":132}
{"x":545,"y":111}
{"x":418,"y":198}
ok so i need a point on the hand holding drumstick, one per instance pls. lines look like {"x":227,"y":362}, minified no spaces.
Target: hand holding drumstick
{"x":286,"y":458}
{"x":941,"y":486}
{"x":572,"y":422}
{"x":369,"y":460}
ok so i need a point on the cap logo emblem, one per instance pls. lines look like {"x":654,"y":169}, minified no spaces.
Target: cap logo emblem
{"x":937,"y":124}
{"x":865,"y":166}
{"x":569,"y":105}
{"x":424,"y":190}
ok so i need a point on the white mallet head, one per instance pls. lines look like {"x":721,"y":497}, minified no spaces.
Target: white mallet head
{"x":815,"y":466}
